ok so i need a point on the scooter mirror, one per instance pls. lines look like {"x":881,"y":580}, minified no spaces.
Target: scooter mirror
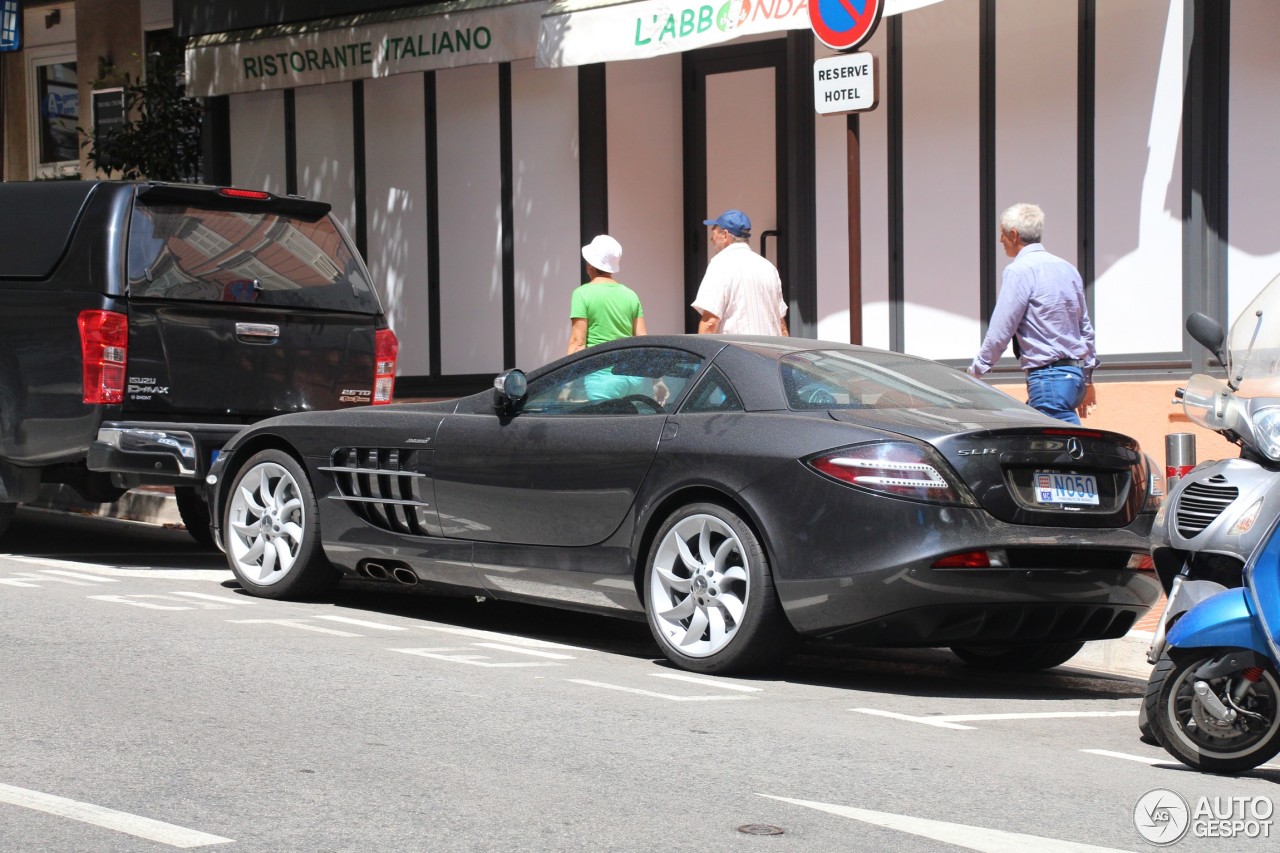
{"x":1208,"y":333}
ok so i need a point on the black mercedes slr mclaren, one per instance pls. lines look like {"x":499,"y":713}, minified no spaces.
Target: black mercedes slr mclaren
{"x":735,"y":491}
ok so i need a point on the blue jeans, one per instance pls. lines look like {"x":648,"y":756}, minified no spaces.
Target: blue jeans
{"x":1056,"y":391}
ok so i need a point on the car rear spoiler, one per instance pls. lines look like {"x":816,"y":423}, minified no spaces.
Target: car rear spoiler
{"x":233,"y":199}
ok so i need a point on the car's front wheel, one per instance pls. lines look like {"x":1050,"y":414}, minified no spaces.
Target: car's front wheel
{"x":271,"y":530}
{"x":1024,"y":658}
{"x":709,"y":594}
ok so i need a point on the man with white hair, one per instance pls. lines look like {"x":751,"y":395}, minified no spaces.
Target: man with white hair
{"x":1042,"y":309}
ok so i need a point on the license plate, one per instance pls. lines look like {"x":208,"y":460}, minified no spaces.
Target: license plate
{"x":1055,"y":488}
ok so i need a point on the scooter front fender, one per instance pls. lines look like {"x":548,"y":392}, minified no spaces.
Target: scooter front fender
{"x":1225,"y":619}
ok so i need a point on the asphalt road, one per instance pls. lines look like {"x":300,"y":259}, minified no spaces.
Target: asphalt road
{"x":149,"y":705}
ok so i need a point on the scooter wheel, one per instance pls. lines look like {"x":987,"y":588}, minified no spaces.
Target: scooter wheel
{"x":1186,"y":729}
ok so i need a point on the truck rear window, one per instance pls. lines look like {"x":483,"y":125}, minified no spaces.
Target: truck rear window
{"x":262,"y":258}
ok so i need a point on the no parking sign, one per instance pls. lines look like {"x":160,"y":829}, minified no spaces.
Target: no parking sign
{"x":844,"y":24}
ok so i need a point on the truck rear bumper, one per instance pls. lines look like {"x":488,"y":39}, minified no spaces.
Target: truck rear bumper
{"x":158,"y":449}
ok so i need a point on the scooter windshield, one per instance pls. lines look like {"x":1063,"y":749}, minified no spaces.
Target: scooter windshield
{"x":1253,"y":346}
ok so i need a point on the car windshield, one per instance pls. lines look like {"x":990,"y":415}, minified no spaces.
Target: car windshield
{"x":870,"y":379}
{"x":1253,"y":345}
{"x":270,"y":259}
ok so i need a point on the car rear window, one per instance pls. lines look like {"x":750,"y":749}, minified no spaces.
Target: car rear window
{"x":869,"y":379}
{"x":270,"y":259}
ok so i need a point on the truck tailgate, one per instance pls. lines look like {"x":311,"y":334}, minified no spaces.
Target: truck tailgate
{"x":191,"y":360}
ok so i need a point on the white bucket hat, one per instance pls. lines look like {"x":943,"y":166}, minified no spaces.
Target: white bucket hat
{"x":604,"y":253}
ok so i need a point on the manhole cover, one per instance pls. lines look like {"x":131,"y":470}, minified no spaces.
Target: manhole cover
{"x":760,"y":829}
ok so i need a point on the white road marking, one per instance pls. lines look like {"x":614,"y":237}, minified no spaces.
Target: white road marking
{"x":654,"y":694}
{"x":132,"y":599}
{"x":224,"y":599}
{"x":294,"y":623}
{"x":362,"y":623}
{"x":12,"y":582}
{"x":709,"y":682}
{"x":44,"y":578}
{"x":501,"y":638}
{"x":130,"y":824}
{"x":1168,"y":760}
{"x":470,"y":659}
{"x":953,"y":721}
{"x":1145,"y":759}
{"x":79,"y":576}
{"x":118,"y":572}
{"x":972,"y":837}
{"x":520,"y":651}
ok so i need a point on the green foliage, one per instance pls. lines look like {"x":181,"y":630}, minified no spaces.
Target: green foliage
{"x":161,"y":138}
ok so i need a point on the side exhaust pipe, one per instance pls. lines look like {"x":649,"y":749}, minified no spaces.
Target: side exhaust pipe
{"x":405,"y":576}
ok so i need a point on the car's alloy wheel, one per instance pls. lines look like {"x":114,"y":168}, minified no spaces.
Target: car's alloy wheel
{"x":271,"y":529}
{"x":709,"y":594}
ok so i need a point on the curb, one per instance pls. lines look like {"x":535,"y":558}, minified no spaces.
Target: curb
{"x":148,"y":504}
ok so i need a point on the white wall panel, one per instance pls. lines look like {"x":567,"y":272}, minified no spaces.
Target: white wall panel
{"x":832,"y":207}
{"x":544,"y":141}
{"x":645,"y":179}
{"x":257,"y":141}
{"x":326,"y":148}
{"x":469,"y":158}
{"x":1036,"y":106}
{"x":396,"y":211}
{"x":1254,"y":182}
{"x":940,"y":182}
{"x":1138,"y":178}
{"x":873,"y":141}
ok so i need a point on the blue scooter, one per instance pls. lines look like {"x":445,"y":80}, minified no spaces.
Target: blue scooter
{"x":1214,"y":700}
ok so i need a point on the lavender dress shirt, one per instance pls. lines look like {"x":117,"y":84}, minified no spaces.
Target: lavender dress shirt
{"x":1042,"y":302}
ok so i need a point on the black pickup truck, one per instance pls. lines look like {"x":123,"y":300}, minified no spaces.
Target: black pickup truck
{"x":143,"y":324}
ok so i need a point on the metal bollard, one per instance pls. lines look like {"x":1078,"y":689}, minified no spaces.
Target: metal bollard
{"x":1179,"y":456}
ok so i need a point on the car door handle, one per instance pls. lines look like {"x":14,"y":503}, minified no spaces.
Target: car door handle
{"x":257,"y":330}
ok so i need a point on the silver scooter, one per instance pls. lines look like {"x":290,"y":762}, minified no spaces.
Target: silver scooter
{"x":1217,"y":514}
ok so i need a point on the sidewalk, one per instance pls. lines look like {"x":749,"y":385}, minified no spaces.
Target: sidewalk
{"x":1126,"y":656}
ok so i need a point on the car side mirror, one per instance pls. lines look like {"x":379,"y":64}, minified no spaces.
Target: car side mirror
{"x":1208,"y":333}
{"x":509,"y":390}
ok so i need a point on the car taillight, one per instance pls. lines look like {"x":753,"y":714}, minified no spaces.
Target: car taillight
{"x":385,"y":350}
{"x":104,"y":342}
{"x":973,"y":560}
{"x":893,"y":467}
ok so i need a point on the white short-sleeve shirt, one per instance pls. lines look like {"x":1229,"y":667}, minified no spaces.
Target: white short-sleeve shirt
{"x":744,"y":291}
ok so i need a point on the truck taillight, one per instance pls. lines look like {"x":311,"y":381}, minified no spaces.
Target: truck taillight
{"x":104,"y":342}
{"x":385,"y":350}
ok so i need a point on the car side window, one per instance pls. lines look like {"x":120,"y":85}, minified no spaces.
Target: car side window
{"x":631,"y":381}
{"x":713,"y":393}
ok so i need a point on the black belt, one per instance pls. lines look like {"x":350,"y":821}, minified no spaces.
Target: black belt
{"x":1062,"y":362}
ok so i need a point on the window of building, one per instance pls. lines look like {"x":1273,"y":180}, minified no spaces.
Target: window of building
{"x":55,"y":115}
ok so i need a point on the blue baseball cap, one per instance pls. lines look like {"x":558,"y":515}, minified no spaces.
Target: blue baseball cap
{"x":733,"y":221}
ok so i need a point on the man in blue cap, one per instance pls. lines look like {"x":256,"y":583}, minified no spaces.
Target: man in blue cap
{"x":741,"y":292}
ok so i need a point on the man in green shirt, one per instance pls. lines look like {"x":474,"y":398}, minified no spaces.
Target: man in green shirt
{"x":603,"y":309}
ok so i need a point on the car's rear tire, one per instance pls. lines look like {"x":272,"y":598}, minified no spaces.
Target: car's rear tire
{"x":709,"y":594}
{"x":271,"y":530}
{"x":1023,"y":658}
{"x":194,"y":512}
{"x":6,"y":516}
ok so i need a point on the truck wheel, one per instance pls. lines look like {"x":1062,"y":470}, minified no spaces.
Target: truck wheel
{"x":6,"y":515}
{"x":194,"y":513}
{"x":271,"y":530}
